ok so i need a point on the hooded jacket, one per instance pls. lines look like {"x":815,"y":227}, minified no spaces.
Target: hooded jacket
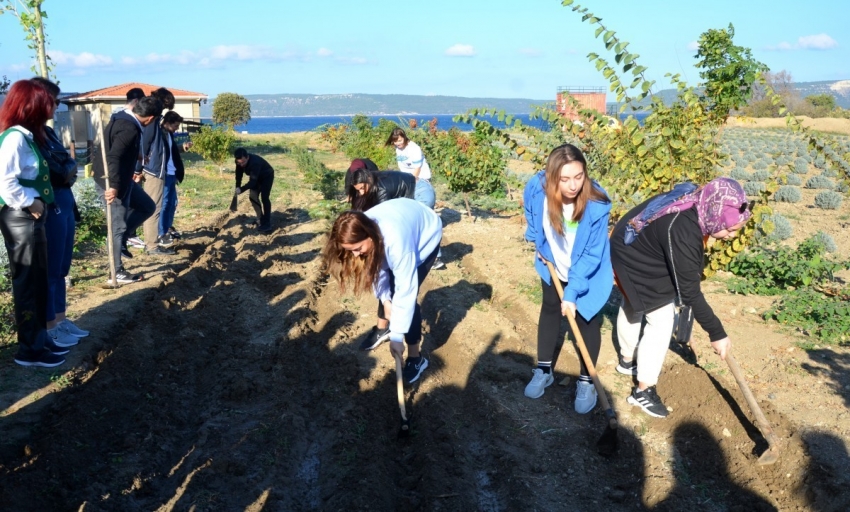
{"x":590,"y":277}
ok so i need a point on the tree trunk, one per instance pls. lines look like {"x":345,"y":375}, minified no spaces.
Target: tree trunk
{"x":468,"y":209}
{"x":40,"y":46}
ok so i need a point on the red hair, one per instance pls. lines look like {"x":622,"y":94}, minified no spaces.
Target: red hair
{"x":29,"y":105}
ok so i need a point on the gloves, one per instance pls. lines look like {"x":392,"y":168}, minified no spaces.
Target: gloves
{"x":237,"y":190}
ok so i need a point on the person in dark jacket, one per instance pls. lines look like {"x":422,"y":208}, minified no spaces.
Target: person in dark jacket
{"x":656,"y":248}
{"x":129,"y":205}
{"x":260,"y":180}
{"x":161,"y":177}
{"x":170,"y":124}
{"x":366,"y":189}
{"x":60,"y":228}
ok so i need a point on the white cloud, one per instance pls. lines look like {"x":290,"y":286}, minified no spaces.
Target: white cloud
{"x":817,"y":42}
{"x":79,"y":60}
{"x":813,"y":42}
{"x":530,"y":52}
{"x":324,"y":52}
{"x":461,"y":50}
{"x":693,"y":46}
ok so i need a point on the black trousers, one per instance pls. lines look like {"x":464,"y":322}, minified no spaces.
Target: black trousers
{"x":127,"y":215}
{"x":414,"y":333}
{"x":260,"y":200}
{"x":26,"y":244}
{"x":549,"y":328}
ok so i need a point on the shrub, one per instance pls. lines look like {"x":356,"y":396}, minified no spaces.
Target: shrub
{"x":820,"y":182}
{"x":760,"y":175}
{"x":793,"y":179}
{"x":316,"y":175}
{"x":829,"y":172}
{"x":760,"y":165}
{"x":91,"y":229}
{"x":788,"y":194}
{"x":754,"y":188}
{"x":782,"y":229}
{"x":827,"y":241}
{"x":829,"y":200}
{"x":214,"y":143}
{"x":801,"y":166}
{"x":842,"y":187}
{"x":820,"y":162}
{"x":739,"y":174}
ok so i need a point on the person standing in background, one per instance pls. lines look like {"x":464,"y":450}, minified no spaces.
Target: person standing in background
{"x":26,"y":196}
{"x":60,"y":229}
{"x":410,"y":159}
{"x":157,"y":166}
{"x":260,"y":180}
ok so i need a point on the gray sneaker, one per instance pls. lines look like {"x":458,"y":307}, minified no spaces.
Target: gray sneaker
{"x":539,"y":382}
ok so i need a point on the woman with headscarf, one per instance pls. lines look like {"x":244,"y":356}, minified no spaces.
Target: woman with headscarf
{"x":657,"y":251}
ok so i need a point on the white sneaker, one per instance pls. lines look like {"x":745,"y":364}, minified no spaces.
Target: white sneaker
{"x":69,"y":327}
{"x":539,"y":382}
{"x":585,"y":397}
{"x":135,"y":242}
{"x":62,"y":338}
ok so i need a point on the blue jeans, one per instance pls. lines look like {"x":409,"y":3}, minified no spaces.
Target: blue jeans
{"x":60,"y":229}
{"x":425,"y":194}
{"x":169,"y":204}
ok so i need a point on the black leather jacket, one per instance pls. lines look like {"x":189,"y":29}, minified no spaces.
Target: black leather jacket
{"x":394,"y":184}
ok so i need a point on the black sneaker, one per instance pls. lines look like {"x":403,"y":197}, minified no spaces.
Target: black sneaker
{"x":124,"y":277}
{"x":265,"y":229}
{"x":413,"y":368}
{"x":160,"y":251}
{"x":625,"y":368}
{"x":375,"y":338}
{"x":438,"y":264}
{"x":175,"y":234}
{"x":43,"y":359}
{"x":54,"y":348}
{"x":165,"y":240}
{"x":126,"y":252}
{"x":649,"y":401}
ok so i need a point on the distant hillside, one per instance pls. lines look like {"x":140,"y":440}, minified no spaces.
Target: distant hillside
{"x":267,"y":105}
{"x":838,"y":88}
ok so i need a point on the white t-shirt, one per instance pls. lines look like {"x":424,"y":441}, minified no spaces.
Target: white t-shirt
{"x":410,"y":158}
{"x":170,"y":169}
{"x":562,"y":246}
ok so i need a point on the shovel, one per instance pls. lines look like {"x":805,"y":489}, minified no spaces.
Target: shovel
{"x":404,"y":430}
{"x":112,"y":283}
{"x":771,"y":455}
{"x":607,"y":443}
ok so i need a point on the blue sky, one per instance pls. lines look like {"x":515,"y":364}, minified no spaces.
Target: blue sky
{"x":474,"y":48}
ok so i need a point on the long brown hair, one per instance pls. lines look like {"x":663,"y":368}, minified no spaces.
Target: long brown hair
{"x":360,"y":271}
{"x":561,"y":156}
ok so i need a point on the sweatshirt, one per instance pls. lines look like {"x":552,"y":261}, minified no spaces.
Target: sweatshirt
{"x":411,"y":232}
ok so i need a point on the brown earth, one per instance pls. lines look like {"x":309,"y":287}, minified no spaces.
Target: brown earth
{"x":230,"y":380}
{"x":824,"y":124}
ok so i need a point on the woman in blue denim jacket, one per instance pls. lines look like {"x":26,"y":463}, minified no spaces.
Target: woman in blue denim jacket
{"x":567,"y":216}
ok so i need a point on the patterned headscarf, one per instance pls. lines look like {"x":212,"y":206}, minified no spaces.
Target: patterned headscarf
{"x":720,"y":203}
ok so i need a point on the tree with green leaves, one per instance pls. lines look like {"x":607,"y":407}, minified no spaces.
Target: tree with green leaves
{"x":4,"y":85}
{"x":822,"y":101}
{"x":32,"y":18}
{"x":729,"y":70}
{"x":231,"y":109}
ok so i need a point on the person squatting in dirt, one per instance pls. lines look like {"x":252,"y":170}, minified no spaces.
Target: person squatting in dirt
{"x":60,"y":228}
{"x":365,"y":187}
{"x":656,"y":248}
{"x":567,"y":216}
{"x":391,"y":248}
{"x":129,"y":205}
{"x":26,"y":199}
{"x":260,"y":179}
{"x":410,"y":159}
